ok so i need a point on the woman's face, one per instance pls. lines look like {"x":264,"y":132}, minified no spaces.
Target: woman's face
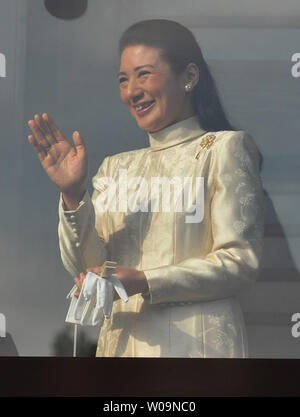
{"x":154,"y":95}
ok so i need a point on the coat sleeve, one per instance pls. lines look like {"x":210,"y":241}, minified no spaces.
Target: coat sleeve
{"x":81,"y":246}
{"x":237,"y":227}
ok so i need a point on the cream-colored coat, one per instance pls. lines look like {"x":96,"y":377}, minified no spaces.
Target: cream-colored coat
{"x":195,"y":263}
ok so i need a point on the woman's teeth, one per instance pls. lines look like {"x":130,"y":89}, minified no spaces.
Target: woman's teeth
{"x":144,"y":106}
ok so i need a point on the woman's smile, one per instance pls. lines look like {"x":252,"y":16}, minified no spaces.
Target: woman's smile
{"x":144,"y":107}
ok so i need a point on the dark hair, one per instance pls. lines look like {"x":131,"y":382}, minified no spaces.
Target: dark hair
{"x":178,"y":48}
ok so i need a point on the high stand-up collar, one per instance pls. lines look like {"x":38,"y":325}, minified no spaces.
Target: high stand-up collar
{"x":176,"y":133}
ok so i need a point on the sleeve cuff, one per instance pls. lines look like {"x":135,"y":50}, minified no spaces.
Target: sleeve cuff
{"x":154,"y":278}
{"x":77,"y":223}
{"x":84,"y":200}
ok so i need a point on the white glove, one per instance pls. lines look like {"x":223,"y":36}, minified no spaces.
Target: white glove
{"x":103,"y":287}
{"x":95,"y":299}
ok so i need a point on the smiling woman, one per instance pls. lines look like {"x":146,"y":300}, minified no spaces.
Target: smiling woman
{"x":181,"y":277}
{"x":155,"y":96}
{"x":178,"y":58}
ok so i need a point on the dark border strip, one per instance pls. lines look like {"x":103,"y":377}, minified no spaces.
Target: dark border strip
{"x":115,"y":377}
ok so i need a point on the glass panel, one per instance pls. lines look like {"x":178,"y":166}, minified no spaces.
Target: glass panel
{"x":62,"y":58}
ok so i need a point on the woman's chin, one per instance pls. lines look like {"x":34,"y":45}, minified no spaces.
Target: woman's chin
{"x":150,"y":127}
{"x":145,"y":126}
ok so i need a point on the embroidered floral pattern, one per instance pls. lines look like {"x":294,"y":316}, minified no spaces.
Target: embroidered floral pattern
{"x":250,"y":205}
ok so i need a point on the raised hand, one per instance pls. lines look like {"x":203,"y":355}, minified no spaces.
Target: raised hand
{"x":65,"y":164}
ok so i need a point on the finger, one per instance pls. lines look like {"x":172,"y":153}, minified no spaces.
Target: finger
{"x":77,"y":292}
{"x":39,"y":135}
{"x":40,"y":151}
{"x":79,"y":281}
{"x":76,"y":280}
{"x":78,"y":142}
{"x":54,"y":129}
{"x":45,"y":128}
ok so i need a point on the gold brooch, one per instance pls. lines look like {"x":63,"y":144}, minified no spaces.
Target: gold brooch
{"x":206,"y":143}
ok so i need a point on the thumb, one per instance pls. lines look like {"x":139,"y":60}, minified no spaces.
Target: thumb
{"x":78,"y":141}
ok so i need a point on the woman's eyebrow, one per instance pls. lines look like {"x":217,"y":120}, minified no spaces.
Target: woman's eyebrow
{"x":136,"y":69}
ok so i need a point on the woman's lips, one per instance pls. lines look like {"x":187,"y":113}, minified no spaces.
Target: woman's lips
{"x":146,"y":109}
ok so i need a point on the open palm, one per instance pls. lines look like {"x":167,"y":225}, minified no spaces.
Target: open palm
{"x":65,"y":164}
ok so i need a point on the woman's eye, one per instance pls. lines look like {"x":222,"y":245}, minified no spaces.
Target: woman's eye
{"x":144,"y":73}
{"x":124,"y":79}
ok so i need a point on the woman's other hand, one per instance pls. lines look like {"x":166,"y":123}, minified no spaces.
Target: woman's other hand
{"x":79,"y":281}
{"x":66,"y":165}
{"x":134,"y":281}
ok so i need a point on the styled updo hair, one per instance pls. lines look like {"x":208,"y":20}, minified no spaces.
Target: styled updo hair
{"x":179,"y":48}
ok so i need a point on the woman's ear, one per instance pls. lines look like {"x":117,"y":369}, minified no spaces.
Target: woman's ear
{"x":190,"y":76}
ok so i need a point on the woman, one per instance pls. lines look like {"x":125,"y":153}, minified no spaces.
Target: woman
{"x":181,"y":271}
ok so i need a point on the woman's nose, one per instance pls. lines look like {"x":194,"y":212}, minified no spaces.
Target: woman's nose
{"x":134,"y":91}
